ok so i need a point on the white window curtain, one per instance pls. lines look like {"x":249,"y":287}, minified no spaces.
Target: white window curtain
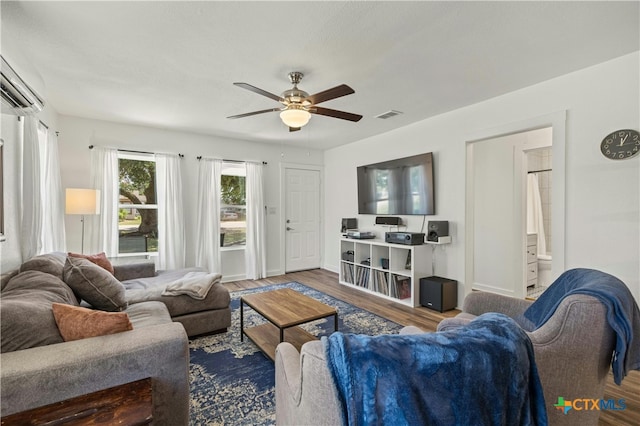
{"x":53,"y":198}
{"x":31,"y":191}
{"x":208,"y":215}
{"x":103,"y":232}
{"x":42,"y":214}
{"x":171,"y":228}
{"x":255,"y":255}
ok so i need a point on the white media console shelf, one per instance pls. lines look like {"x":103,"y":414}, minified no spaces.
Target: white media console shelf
{"x":390,"y":271}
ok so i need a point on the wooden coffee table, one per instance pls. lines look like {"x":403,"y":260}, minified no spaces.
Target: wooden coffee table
{"x":285,"y":309}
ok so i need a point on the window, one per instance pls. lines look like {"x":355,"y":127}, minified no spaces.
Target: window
{"x":137,"y":208}
{"x":233,"y":205}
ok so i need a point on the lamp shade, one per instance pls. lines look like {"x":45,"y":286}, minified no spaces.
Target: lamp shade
{"x":82,"y":201}
{"x":295,"y":117}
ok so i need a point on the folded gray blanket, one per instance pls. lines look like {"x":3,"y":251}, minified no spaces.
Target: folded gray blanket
{"x":193,"y":284}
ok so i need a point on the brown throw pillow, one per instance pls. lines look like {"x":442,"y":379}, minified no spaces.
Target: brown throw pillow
{"x":76,"y":322}
{"x":94,"y":285}
{"x":99,"y":259}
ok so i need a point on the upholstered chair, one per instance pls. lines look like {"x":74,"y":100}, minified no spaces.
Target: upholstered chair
{"x":572,"y":349}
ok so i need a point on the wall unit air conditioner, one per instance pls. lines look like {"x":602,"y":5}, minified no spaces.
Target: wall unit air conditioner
{"x":17,"y":97}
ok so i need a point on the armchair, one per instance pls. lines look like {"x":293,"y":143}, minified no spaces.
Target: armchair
{"x":573,"y":348}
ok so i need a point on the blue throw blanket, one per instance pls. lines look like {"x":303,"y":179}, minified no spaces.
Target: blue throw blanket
{"x":622,"y":312}
{"x":480,"y":374}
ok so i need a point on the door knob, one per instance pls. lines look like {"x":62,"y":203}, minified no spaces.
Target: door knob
{"x":290,"y":229}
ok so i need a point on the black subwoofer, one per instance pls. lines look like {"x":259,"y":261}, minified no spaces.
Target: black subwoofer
{"x":440,"y":294}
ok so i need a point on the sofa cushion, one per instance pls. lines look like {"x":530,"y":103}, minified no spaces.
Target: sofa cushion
{"x":76,"y":322}
{"x":148,"y":314}
{"x":94,"y":285}
{"x":50,"y":263}
{"x":99,"y":259}
{"x":26,"y":317}
{"x":134,"y":270}
{"x":148,"y":289}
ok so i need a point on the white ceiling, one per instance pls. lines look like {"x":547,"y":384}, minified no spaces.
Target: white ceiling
{"x":172,"y":64}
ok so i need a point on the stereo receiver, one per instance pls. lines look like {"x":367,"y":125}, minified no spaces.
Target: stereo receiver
{"x":408,"y":238}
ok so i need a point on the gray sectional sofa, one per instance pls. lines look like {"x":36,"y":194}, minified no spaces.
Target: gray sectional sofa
{"x":39,"y":368}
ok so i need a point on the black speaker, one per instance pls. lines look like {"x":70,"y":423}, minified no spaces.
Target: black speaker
{"x":437,"y":229}
{"x":440,"y":294}
{"x":349,"y":223}
{"x":388,"y":220}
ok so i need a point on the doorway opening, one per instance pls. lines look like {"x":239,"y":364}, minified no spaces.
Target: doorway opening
{"x":497,"y":240}
{"x":539,"y":220}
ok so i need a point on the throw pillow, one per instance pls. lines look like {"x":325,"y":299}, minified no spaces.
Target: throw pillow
{"x":26,"y":320}
{"x":76,"y":322}
{"x":94,"y":285}
{"x":99,"y":259}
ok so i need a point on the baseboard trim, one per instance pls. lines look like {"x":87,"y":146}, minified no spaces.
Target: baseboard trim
{"x":240,"y":277}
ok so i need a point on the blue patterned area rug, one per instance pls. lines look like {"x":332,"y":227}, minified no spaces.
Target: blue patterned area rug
{"x":232,"y":382}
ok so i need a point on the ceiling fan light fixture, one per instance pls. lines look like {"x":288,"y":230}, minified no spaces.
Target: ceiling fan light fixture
{"x":295,"y":117}
{"x":299,"y":105}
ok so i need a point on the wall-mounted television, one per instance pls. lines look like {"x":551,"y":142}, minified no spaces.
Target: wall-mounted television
{"x":403,"y":186}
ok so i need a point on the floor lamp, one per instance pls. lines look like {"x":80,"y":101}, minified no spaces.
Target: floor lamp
{"x":82,"y":201}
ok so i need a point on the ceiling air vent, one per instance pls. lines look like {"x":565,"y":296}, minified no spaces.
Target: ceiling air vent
{"x":17,"y":97}
{"x":388,"y":114}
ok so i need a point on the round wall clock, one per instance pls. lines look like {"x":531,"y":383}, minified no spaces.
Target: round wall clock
{"x":621,"y":144}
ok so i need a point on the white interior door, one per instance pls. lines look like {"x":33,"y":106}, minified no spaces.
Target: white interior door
{"x":302,"y":219}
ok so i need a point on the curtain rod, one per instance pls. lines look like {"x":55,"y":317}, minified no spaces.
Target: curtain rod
{"x":540,"y":171}
{"x":137,"y":152}
{"x":47,"y":127}
{"x":200,"y":157}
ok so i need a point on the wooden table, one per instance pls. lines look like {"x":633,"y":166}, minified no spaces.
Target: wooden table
{"x":285,"y":309}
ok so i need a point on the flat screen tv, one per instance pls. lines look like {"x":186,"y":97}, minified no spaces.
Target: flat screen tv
{"x":397,"y":187}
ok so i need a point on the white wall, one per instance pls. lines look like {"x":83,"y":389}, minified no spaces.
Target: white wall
{"x":76,"y":134}
{"x":602,"y":196}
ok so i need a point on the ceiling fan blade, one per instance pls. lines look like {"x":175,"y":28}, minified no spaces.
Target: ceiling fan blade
{"x":247,"y":114}
{"x":259,"y":91}
{"x":335,"y":113}
{"x":294,"y":129}
{"x":329,"y":94}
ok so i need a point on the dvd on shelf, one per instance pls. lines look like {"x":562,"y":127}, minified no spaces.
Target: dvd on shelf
{"x":347,"y":273}
{"x":400,"y":287}
{"x":362,"y":276}
{"x":380,"y":283}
